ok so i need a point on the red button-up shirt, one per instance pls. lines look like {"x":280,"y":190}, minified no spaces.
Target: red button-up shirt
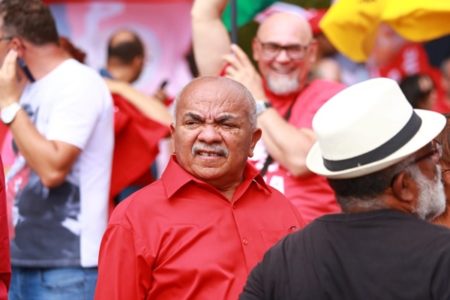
{"x":180,"y":238}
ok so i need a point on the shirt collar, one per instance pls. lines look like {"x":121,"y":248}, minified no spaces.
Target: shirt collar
{"x":175,"y":177}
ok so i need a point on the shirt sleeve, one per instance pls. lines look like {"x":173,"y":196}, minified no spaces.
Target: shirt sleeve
{"x":124,"y":271}
{"x":253,"y":289}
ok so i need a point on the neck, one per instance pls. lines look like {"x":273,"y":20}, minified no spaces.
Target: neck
{"x":384,"y":201}
{"x":227,"y":190}
{"x":41,"y":60}
{"x":364,"y":206}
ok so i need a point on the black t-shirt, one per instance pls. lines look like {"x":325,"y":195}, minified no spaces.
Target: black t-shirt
{"x":382,"y":254}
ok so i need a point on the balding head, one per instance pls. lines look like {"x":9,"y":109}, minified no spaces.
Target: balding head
{"x":286,"y":23}
{"x":214,"y":131}
{"x":227,"y":88}
{"x":125,"y":55}
{"x":285,"y":52}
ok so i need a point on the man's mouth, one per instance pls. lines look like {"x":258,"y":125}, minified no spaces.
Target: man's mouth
{"x":209,"y":150}
{"x":209,"y":153}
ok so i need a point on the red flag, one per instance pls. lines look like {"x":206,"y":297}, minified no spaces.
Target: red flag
{"x":136,"y":144}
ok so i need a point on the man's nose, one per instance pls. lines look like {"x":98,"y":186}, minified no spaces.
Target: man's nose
{"x":282,"y":56}
{"x":209,"y":134}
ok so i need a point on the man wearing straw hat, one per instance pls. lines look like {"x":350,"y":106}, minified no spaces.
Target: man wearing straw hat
{"x":380,"y":159}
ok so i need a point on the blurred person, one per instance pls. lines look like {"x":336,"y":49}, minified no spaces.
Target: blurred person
{"x":125,"y":56}
{"x":197,"y":232}
{"x":394,"y":57}
{"x":285,"y":52}
{"x":125,"y":61}
{"x":330,"y":64}
{"x":137,"y":135}
{"x":325,"y":66}
{"x":379,"y":157}
{"x":445,"y":78}
{"x":444,"y":140}
{"x":5,"y":264}
{"x":139,"y":123}
{"x":60,"y":115}
{"x":419,"y":90}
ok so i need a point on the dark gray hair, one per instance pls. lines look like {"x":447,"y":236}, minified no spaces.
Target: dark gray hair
{"x":30,"y":20}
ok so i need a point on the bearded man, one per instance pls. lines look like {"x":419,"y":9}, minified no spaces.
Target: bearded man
{"x":285,"y":51}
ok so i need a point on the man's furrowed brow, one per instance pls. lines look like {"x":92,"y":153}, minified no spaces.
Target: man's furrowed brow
{"x":193,"y":116}
{"x":226,"y":117}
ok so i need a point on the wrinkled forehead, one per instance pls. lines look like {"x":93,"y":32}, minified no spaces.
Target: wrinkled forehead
{"x":212,"y":102}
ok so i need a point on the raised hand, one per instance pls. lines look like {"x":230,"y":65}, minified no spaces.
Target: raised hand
{"x":240,"y":68}
{"x":12,"y":83}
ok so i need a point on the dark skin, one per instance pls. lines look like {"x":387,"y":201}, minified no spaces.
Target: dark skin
{"x":404,"y":191}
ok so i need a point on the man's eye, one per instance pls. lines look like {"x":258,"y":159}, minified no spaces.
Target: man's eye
{"x":228,"y":125}
{"x":190,"y":123}
{"x":272,"y":47}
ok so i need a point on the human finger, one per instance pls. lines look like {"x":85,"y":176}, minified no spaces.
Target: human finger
{"x":232,"y":60}
{"x":9,"y":63}
{"x":240,"y":55}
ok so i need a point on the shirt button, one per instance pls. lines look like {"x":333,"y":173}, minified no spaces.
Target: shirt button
{"x":293,"y":228}
{"x":244,"y":241}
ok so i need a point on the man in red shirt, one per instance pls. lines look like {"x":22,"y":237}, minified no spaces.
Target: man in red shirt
{"x":198,"y":231}
{"x":285,"y":52}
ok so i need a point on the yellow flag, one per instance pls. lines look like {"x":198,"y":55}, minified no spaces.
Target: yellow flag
{"x":351,"y":25}
{"x":418,"y":20}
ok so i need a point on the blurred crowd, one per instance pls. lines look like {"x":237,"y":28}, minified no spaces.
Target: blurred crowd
{"x":282,"y":173}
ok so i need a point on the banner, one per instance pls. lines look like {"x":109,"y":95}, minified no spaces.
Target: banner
{"x":164,"y":27}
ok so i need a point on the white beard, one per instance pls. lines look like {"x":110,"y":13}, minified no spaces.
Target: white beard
{"x":431,"y":202}
{"x":282,"y":85}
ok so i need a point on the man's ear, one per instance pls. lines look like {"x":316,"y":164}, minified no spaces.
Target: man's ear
{"x":312,"y":49}
{"x":18,"y":45}
{"x":172,"y":128}
{"x":172,"y":133}
{"x":255,"y":138}
{"x":256,"y":49}
{"x":404,"y":189}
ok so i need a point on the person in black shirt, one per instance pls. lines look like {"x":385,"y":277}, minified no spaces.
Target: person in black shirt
{"x":380,"y":159}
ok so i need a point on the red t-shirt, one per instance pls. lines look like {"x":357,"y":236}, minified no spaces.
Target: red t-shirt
{"x":180,"y":238}
{"x":5,"y":264}
{"x":413,"y":59}
{"x":310,"y":194}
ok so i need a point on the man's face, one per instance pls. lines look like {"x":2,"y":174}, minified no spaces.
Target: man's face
{"x":431,"y":198}
{"x":126,"y":72}
{"x":431,"y":201}
{"x":446,"y":76}
{"x":285,"y":53}
{"x":212,"y":135}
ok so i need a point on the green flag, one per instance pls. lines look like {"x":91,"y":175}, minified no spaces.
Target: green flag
{"x":246,"y":11}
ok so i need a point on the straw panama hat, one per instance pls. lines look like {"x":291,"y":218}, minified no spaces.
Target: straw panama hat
{"x":367,"y":127}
